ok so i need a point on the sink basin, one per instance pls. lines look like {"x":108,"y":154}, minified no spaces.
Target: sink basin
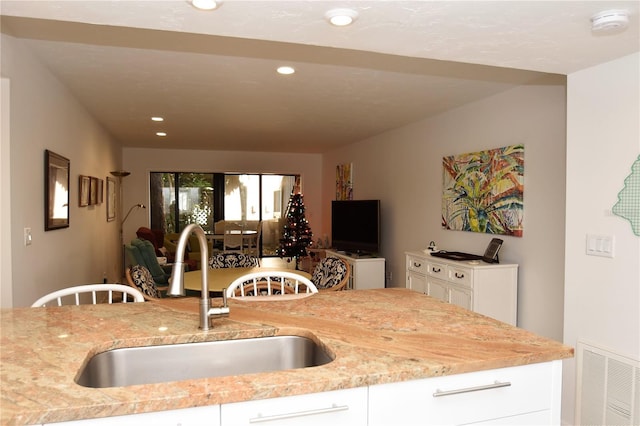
{"x":165,"y":363}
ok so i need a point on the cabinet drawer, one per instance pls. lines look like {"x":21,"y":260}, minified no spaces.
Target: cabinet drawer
{"x":437,"y":270}
{"x":417,"y":264}
{"x":461,"y":276}
{"x":464,"y":398}
{"x":342,"y":407}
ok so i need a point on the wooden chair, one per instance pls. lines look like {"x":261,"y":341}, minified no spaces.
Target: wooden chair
{"x":270,"y":283}
{"x":253,"y":248}
{"x":61,"y":296}
{"x":331,"y":274}
{"x":139,"y":278}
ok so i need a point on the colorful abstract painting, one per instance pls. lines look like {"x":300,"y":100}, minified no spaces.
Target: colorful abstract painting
{"x":344,"y":184}
{"x":483,"y":191}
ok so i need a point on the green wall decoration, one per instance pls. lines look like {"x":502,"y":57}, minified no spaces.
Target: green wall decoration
{"x":628,"y":205}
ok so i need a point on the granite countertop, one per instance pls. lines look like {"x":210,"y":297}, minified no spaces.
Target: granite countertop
{"x":377,"y":336}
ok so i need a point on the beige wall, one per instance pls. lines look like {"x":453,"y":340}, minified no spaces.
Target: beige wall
{"x":142,"y":161}
{"x":403,"y":168}
{"x":602,"y":295}
{"x":44,"y":115}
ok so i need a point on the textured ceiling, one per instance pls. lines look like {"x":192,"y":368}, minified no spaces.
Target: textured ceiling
{"x":212,"y":74}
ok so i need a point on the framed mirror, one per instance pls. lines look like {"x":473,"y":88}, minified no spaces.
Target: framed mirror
{"x":56,"y":196}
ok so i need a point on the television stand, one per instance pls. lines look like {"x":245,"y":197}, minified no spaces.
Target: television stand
{"x":367,"y":271}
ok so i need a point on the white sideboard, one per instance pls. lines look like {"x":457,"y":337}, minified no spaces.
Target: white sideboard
{"x":366,"y":272}
{"x":486,"y":288}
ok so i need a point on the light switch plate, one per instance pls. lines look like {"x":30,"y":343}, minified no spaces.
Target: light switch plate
{"x":27,"y":237}
{"x":600,"y":245}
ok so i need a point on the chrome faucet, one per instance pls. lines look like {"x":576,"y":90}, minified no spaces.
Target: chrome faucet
{"x":176,"y":286}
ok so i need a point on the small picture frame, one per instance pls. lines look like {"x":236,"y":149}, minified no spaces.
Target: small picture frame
{"x":84,"y":192}
{"x":111,"y":199}
{"x":56,"y":197}
{"x":93,"y":191}
{"x":100,"y":191}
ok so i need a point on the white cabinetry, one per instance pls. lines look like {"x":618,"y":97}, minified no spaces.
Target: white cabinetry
{"x":366,"y":272}
{"x":487,"y":288}
{"x":525,"y":395}
{"x":342,"y":407}
{"x":522,"y":395}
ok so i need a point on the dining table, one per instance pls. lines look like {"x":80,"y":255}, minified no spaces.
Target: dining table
{"x":221,"y":278}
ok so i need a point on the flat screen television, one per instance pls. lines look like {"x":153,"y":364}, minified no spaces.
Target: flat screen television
{"x":355,"y":226}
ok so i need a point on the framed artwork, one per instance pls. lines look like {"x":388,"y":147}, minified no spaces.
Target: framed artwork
{"x":483,"y":191}
{"x":93,"y":191}
{"x":344,"y":182}
{"x":56,"y":197}
{"x":100,"y":191}
{"x":111,"y":199}
{"x":84,"y":185}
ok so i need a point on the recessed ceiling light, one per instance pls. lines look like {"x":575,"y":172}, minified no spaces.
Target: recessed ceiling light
{"x":157,"y":119}
{"x":610,"y":20}
{"x":341,"y":17}
{"x":205,"y":4}
{"x":161,"y":134}
{"x":286,"y":70}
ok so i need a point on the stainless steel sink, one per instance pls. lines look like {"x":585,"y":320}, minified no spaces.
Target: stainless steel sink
{"x":165,"y":363}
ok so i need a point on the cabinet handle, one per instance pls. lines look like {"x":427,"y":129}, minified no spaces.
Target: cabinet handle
{"x":436,"y":270}
{"x":458,"y":275}
{"x":417,"y":265}
{"x":334,"y":408}
{"x":495,"y":385}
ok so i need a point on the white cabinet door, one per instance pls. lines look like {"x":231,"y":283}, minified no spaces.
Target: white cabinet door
{"x":438,"y":289}
{"x":197,"y":416}
{"x":461,"y":297}
{"x":343,"y":407}
{"x":524,"y":394}
{"x":417,"y":282}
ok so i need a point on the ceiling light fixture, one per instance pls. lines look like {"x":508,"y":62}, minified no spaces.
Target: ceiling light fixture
{"x":286,"y":70}
{"x":341,"y":17}
{"x":610,"y":20}
{"x":161,"y":134}
{"x":157,"y":119}
{"x":205,"y":4}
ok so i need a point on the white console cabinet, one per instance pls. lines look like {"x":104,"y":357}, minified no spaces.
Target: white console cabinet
{"x":366,"y":272}
{"x":489,"y":289}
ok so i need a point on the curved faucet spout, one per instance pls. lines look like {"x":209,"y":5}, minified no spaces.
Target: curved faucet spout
{"x":176,"y":286}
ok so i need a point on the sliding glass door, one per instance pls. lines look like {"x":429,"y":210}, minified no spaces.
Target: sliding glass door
{"x":178,"y":199}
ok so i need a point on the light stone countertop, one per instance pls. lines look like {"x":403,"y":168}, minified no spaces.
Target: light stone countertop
{"x":377,"y":336}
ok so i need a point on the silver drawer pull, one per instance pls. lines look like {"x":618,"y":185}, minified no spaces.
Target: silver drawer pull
{"x":495,"y":385}
{"x":458,"y":275}
{"x":417,"y":265}
{"x":436,"y":270}
{"x":334,"y":408}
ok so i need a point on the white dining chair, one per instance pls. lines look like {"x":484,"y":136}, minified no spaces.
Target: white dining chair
{"x":270,"y":283}
{"x":233,"y":237}
{"x":62,"y":296}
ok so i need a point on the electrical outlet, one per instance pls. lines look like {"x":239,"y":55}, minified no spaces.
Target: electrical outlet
{"x":27,"y":237}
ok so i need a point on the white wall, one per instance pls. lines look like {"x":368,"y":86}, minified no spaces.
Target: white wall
{"x":6,"y":292}
{"x":403,"y":168}
{"x":44,"y":115}
{"x":602,"y":295}
{"x":140,"y":162}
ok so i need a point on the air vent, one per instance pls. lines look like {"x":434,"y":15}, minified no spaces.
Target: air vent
{"x":608,"y":391}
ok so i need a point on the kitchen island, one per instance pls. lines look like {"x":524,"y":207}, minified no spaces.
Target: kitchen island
{"x":377,"y":337}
